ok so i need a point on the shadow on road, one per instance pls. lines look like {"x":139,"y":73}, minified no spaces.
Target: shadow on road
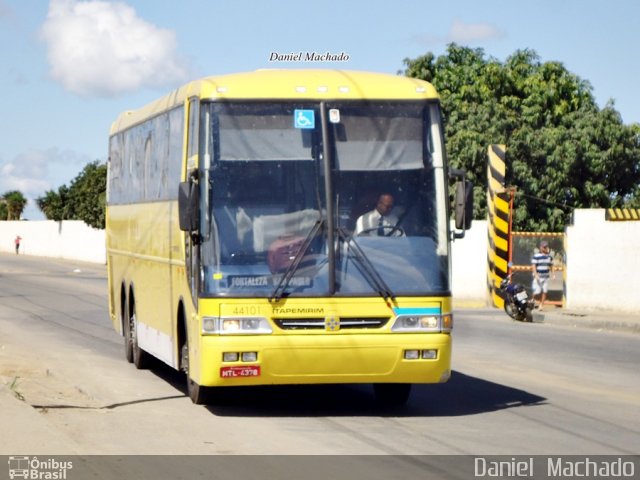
{"x":462,"y":395}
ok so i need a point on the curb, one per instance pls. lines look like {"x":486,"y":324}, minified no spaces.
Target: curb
{"x":606,"y":320}
{"x":612,"y":321}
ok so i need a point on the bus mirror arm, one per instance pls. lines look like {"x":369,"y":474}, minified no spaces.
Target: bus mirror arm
{"x":188,"y":205}
{"x":463,"y":202}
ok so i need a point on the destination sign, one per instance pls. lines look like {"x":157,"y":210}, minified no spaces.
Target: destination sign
{"x":258,"y":281}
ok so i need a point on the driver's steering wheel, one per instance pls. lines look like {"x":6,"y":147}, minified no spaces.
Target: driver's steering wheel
{"x":391,"y":230}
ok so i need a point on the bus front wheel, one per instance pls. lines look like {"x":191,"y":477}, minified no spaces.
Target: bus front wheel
{"x":196,"y":392}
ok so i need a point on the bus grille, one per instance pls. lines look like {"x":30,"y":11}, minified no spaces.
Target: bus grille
{"x":319,"y":323}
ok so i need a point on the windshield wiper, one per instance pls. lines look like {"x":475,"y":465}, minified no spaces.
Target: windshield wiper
{"x":370,"y":273}
{"x":278,"y":292}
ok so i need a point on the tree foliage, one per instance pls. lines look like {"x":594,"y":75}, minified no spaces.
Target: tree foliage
{"x":563,"y":152}
{"x":12,"y":205}
{"x":56,"y":205}
{"x":83,"y":200}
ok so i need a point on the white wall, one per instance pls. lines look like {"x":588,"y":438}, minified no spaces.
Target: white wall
{"x":71,"y":239}
{"x":469,"y":267}
{"x":603,"y":263}
{"x":74,"y":240}
{"x":603,"y":257}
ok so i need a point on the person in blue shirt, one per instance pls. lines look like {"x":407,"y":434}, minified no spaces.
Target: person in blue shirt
{"x":542,"y":263}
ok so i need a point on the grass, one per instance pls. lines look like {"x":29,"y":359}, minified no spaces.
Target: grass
{"x":14,"y":388}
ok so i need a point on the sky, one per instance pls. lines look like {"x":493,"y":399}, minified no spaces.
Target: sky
{"x":69,"y":67}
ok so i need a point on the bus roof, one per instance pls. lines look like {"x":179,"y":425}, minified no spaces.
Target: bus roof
{"x":312,"y":84}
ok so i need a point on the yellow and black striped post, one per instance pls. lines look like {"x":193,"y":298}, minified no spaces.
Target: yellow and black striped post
{"x":622,"y":214}
{"x":498,"y":224}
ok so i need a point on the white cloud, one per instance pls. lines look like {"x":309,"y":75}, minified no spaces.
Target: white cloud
{"x":5,"y":11}
{"x":103,"y":48}
{"x":36,"y":171}
{"x":461,"y":32}
{"x":26,"y":173}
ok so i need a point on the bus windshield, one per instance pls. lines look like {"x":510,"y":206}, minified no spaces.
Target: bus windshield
{"x":284,"y":183}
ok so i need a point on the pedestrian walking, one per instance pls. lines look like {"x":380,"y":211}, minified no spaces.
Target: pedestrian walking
{"x":542,"y":263}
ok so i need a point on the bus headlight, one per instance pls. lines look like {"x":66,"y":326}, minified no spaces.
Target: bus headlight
{"x":423,"y":323}
{"x":235,"y":326}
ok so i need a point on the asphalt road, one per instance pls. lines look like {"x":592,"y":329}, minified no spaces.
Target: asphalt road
{"x":517,"y":389}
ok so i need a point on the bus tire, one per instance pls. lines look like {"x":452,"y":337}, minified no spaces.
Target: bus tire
{"x":392,"y":394}
{"x":141,"y":359}
{"x":126,"y":329}
{"x":196,"y":392}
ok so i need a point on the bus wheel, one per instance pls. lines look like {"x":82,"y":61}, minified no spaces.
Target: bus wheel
{"x":128,"y":339}
{"x":392,"y":394}
{"x":140,"y":357}
{"x":196,"y":392}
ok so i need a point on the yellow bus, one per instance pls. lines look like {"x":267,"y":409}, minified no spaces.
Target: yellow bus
{"x":285,"y":227}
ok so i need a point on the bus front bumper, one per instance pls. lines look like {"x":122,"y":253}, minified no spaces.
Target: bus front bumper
{"x":324,"y":359}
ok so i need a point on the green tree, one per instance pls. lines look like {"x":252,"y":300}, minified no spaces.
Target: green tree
{"x":88,"y":194}
{"x":563,"y":152}
{"x":14,"y":203}
{"x":83,"y":200}
{"x":56,"y":205}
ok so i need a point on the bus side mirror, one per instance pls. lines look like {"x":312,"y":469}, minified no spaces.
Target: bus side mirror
{"x":464,"y":205}
{"x":188,"y":202}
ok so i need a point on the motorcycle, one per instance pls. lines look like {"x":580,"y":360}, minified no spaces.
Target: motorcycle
{"x":517,"y":303}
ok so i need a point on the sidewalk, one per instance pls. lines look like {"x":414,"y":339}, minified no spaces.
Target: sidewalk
{"x":597,"y":319}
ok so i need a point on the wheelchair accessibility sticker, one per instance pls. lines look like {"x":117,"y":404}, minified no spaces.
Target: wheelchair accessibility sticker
{"x":304,"y":119}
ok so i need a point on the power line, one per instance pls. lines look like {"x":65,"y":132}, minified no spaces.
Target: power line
{"x":543,"y":200}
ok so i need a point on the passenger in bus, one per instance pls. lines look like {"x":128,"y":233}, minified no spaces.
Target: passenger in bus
{"x":379,"y":221}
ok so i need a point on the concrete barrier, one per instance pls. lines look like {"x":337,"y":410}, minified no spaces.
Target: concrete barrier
{"x":70,"y":239}
{"x":603,"y":263}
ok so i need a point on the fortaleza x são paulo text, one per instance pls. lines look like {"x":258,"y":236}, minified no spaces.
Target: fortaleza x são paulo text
{"x":308,"y":57}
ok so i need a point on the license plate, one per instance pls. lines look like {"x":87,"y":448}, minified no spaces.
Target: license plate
{"x":521,"y":295}
{"x":240,"y":371}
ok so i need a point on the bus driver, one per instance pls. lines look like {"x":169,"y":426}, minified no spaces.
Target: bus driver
{"x":379,"y":221}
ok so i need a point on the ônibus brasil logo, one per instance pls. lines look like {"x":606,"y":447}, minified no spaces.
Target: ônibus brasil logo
{"x":38,"y":469}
